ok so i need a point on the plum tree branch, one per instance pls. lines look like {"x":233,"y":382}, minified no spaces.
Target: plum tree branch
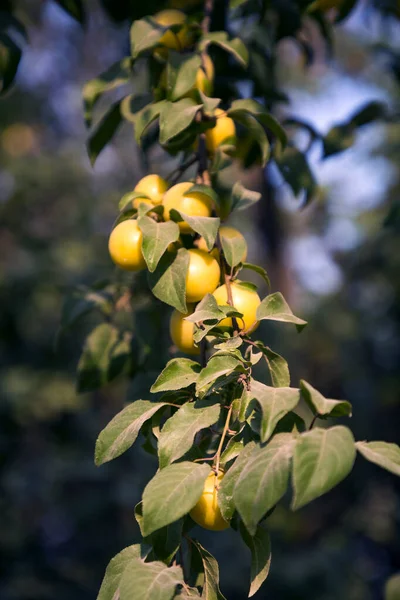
{"x":221,"y":442}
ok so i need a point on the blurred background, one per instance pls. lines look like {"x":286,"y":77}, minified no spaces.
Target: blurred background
{"x":337,"y":261}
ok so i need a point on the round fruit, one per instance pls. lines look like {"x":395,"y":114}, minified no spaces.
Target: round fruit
{"x":138,"y":201}
{"x":167,"y":18}
{"x":223,"y":130}
{"x":203,"y":275}
{"x":125,"y":246}
{"x":245,"y":301}
{"x":195,"y":204}
{"x":152,"y":186}
{"x":206,"y":512}
{"x":205,"y":77}
{"x":181,"y":332}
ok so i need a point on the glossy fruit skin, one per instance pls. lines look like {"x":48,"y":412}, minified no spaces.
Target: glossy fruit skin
{"x":152,"y":186}
{"x":138,"y":201}
{"x":174,"y":41}
{"x":224,"y":129}
{"x":206,"y":512}
{"x":181,"y":332}
{"x":125,"y":246}
{"x":244,"y":300}
{"x":194,"y":205}
{"x":203,"y":275}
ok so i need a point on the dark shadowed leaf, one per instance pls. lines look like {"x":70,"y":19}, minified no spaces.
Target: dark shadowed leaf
{"x":74,"y":8}
{"x":10,"y":56}
{"x":105,"y":354}
{"x":211,"y":589}
{"x":116,"y":75}
{"x":260,"y":548}
{"x":104,"y":132}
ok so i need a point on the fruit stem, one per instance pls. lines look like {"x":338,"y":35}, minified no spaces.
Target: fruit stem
{"x":221,"y":442}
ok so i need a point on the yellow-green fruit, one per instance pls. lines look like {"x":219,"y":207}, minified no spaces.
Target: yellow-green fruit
{"x":181,"y":332}
{"x":152,"y":186}
{"x":125,"y":246}
{"x":245,"y":301}
{"x":203,"y":275}
{"x":224,"y":129}
{"x":204,"y":80}
{"x":174,"y":41}
{"x":195,"y":204}
{"x":206,"y":512}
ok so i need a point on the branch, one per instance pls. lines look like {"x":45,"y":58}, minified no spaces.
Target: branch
{"x":221,"y":442}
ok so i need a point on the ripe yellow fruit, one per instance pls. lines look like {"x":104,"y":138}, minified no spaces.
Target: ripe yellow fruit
{"x":206,"y":512}
{"x":223,"y":130}
{"x":137,"y":201}
{"x":204,"y":80}
{"x":152,"y":186}
{"x":203,"y":275}
{"x":245,"y":301}
{"x":125,"y":246}
{"x":174,"y":41}
{"x":181,"y":331}
{"x":195,"y":204}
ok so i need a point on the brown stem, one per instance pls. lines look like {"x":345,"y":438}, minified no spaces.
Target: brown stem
{"x":313,"y":422}
{"x":203,"y":356}
{"x":221,"y":442}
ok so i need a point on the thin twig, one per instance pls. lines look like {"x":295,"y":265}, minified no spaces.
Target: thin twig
{"x":177,"y":173}
{"x":221,"y":442}
{"x":313,"y":422}
{"x":203,"y":355}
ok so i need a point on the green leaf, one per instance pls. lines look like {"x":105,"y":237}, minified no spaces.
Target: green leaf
{"x":122,"y":431}
{"x":209,"y":104}
{"x":234,"y":248}
{"x":148,"y":581}
{"x":10,"y":56}
{"x":129,"y":197}
{"x":236,"y":3}
{"x":206,"y":310}
{"x":74,"y":8}
{"x":105,"y":354}
{"x":225,"y":492}
{"x":217,"y":367}
{"x":296,"y":171}
{"x":322,"y":406}
{"x":259,"y":270}
{"x":277,"y":365}
{"x":256,"y":131}
{"x":207,"y":227}
{"x":115,"y":569}
{"x":260,"y":548}
{"x":179,"y":373}
{"x":145,"y":34}
{"x":164,"y":542}
{"x":383,"y":454}
{"x":104,"y":132}
{"x":257,"y":110}
{"x":263,"y":480}
{"x":392,"y":588}
{"x":172,"y":493}
{"x":233,"y":448}
{"x":211,"y":589}
{"x":291,"y":423}
{"x":117,"y":75}
{"x":142,"y":117}
{"x":82,"y":301}
{"x":235,"y":47}
{"x":176,"y":117}
{"x":275,"y":403}
{"x":241,"y":198}
{"x":178,"y":433}
{"x":322,"y":458}
{"x":207,"y":190}
{"x":156,"y":239}
{"x":186,"y":75}
{"x":168,"y":281}
{"x":275,"y":308}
